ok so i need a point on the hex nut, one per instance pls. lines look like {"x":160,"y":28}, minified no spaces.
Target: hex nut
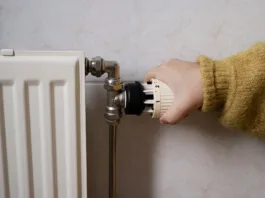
{"x":95,"y":66}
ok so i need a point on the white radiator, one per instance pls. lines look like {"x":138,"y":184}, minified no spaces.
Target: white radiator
{"x":42,"y":125}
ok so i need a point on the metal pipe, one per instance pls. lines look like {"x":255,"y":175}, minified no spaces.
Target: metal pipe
{"x":97,"y":67}
{"x":112,"y":68}
{"x":112,"y":160}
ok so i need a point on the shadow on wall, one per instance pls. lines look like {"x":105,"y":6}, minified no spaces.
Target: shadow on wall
{"x":141,"y":144}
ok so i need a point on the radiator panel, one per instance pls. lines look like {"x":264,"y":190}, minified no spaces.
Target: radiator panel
{"x":42,"y":128}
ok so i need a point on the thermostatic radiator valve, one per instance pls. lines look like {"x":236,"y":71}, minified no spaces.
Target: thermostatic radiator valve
{"x":153,"y":97}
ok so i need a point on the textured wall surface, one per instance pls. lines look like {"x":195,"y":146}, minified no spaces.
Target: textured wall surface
{"x":197,"y":158}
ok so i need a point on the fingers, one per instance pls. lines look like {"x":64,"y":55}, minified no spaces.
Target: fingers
{"x":174,"y":114}
{"x":152,"y":73}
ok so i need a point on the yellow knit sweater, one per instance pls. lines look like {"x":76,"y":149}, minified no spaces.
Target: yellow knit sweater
{"x":236,"y":87}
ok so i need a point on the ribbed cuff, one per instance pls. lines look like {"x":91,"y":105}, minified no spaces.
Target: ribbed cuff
{"x":215,"y":76}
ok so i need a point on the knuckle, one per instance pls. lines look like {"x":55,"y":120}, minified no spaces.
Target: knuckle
{"x":163,"y":64}
{"x":170,"y":61}
{"x":174,"y":61}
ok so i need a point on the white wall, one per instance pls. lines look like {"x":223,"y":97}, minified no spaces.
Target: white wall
{"x":197,"y":158}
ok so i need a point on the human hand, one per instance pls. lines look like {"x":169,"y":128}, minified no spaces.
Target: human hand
{"x":184,"y":79}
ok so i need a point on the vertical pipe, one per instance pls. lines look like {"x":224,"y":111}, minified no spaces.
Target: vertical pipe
{"x":97,"y":67}
{"x":112,"y":160}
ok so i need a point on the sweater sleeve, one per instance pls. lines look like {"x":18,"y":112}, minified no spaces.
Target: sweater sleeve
{"x":235,"y":86}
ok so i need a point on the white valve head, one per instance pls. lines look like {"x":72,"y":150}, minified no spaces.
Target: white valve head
{"x":162,"y":98}
{"x":153,"y":97}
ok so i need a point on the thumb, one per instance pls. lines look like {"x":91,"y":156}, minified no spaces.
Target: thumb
{"x":174,"y":114}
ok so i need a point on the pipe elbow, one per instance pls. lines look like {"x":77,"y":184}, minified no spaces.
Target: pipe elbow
{"x":112,"y":68}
